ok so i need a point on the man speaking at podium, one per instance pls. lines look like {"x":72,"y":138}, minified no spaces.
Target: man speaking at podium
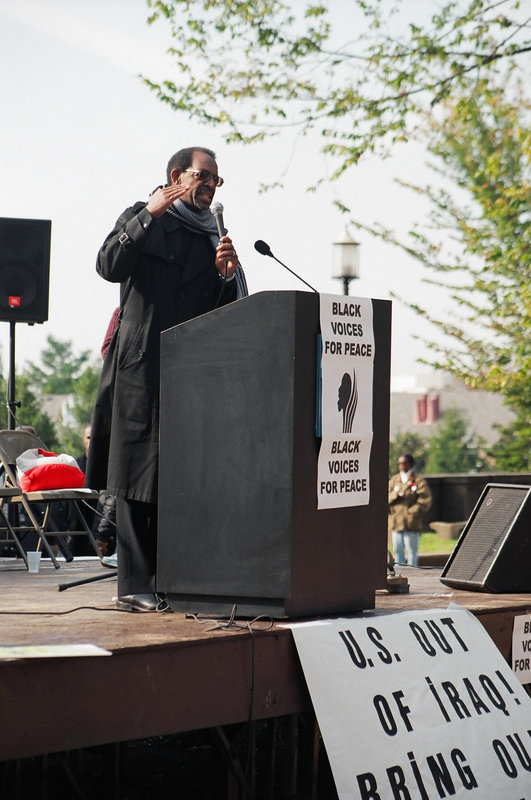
{"x":173,"y":264}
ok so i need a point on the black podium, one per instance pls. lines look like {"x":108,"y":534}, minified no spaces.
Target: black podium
{"x":238,"y":518}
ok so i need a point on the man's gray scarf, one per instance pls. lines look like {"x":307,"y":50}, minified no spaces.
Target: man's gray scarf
{"x":203,"y":222}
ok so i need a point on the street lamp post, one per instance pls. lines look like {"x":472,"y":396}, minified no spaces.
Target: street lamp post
{"x":346,"y":260}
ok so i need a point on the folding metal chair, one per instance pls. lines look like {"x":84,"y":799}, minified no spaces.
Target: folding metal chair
{"x":10,"y":535}
{"x":12,"y":444}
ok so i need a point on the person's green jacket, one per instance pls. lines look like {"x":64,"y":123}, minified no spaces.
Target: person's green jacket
{"x":408,"y":502}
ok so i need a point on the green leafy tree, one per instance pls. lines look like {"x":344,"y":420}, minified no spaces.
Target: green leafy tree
{"x":452,"y":448}
{"x":84,"y":397}
{"x":512,"y":451}
{"x":60,"y":368}
{"x":85,"y":390}
{"x":408,"y":442}
{"x":482,"y":256}
{"x":71,"y":439}
{"x":358,"y":80}
{"x":62,"y":373}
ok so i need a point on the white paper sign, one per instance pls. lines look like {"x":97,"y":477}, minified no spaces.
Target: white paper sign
{"x":417,"y":706}
{"x":521,"y":649}
{"x":347,"y":363}
{"x":11,"y":652}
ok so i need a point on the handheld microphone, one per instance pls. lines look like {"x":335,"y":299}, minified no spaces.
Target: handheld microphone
{"x":217,"y":212}
{"x":264,"y":249}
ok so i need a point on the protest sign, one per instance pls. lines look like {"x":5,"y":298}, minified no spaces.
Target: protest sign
{"x":522,"y":648}
{"x":417,"y":706}
{"x":347,"y":363}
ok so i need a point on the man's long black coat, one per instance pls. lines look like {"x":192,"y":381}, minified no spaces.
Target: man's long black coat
{"x":167,"y":275}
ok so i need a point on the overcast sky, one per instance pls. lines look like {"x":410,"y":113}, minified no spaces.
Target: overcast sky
{"x":82,"y":138}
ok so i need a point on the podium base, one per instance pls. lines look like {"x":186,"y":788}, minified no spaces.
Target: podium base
{"x":252,"y":607}
{"x":239,"y":607}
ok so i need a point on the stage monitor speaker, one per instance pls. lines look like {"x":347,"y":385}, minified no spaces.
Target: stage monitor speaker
{"x":493,"y":553}
{"x":24,"y":269}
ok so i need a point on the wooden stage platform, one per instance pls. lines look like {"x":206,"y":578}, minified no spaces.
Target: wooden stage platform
{"x":167,"y":673}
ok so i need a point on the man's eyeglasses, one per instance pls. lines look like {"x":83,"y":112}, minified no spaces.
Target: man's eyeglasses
{"x":204,"y":175}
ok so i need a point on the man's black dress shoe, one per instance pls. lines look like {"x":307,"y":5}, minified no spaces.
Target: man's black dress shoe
{"x":141,"y":602}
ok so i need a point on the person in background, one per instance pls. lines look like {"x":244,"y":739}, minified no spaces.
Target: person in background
{"x":409,"y":500}
{"x":82,"y":459}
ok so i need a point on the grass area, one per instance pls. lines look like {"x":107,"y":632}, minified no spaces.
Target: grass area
{"x":430,"y":542}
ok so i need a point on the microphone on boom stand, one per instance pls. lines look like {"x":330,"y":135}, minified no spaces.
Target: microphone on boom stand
{"x":264,"y":249}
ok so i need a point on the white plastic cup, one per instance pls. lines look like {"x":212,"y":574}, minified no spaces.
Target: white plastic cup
{"x":34,"y":560}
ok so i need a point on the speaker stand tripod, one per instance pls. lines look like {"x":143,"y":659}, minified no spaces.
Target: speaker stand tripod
{"x":12,"y":404}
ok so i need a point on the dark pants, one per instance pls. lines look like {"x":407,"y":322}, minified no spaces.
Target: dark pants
{"x":136,"y":525}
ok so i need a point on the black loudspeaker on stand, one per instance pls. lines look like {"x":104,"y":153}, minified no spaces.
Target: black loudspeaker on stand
{"x":24,"y":283}
{"x":494,"y":550}
{"x":24,"y":269}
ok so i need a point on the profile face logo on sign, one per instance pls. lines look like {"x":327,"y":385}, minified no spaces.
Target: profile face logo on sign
{"x":347,"y":399}
{"x":347,"y":363}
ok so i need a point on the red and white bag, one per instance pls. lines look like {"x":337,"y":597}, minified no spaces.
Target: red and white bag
{"x":39,"y":469}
